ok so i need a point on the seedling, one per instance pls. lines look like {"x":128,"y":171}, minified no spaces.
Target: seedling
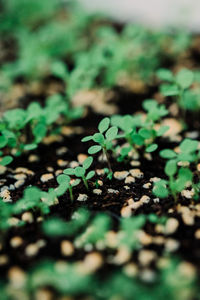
{"x":140,"y":131}
{"x":81,"y":171}
{"x":179,"y":85}
{"x":178,"y":178}
{"x":23,"y":129}
{"x":104,"y":139}
{"x":65,"y":183}
{"x":188,"y":152}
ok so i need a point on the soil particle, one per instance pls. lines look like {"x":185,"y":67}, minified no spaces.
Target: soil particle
{"x":120,"y":175}
{"x":82,"y":197}
{"x":171,"y":226}
{"x":67,"y":248}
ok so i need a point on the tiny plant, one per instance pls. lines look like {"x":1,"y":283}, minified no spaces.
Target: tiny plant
{"x":103,"y":139}
{"x":65,"y":183}
{"x":178,"y":178}
{"x":179,"y":86}
{"x":80,"y":172}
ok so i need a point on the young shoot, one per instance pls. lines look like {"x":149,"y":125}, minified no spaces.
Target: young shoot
{"x":81,"y":172}
{"x":180,"y":178}
{"x":179,"y":86}
{"x":104,"y":139}
{"x":65,"y":183}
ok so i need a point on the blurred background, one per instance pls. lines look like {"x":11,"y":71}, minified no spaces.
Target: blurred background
{"x":154,"y":13}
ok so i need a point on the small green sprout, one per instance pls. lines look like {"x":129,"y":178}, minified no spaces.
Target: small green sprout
{"x":179,"y":85}
{"x":81,"y":171}
{"x":188,"y":152}
{"x":65,"y":183}
{"x":178,"y":178}
{"x":139,"y":131}
{"x":103,"y":138}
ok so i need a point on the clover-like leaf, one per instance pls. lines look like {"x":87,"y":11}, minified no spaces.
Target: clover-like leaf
{"x":6,"y":160}
{"x":162,"y":130}
{"x":94,"y":149}
{"x":69,"y":171}
{"x":61,"y":189}
{"x":98,"y":138}
{"x":151,"y":148}
{"x":90,"y":175}
{"x":160,"y":189}
{"x":111,"y":134}
{"x":165,"y":75}
{"x":87,"y":138}
{"x":104,"y":124}
{"x":138,"y":139}
{"x":63,"y":178}
{"x":3,"y":141}
{"x":171,"y":167}
{"x":79,"y":172}
{"x":149,"y":104}
{"x":145,"y":133}
{"x":87,"y":162}
{"x":188,"y":145}
{"x":76,"y":182}
{"x":185,"y":78}
{"x":29,"y":147}
{"x":169,"y":90}
{"x":167,"y":153}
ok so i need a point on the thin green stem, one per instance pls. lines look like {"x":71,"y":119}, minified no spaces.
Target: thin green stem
{"x":71,"y":194}
{"x":107,"y":157}
{"x":85,"y":182}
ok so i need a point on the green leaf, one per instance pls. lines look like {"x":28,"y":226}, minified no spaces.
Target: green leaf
{"x":6,"y":160}
{"x":145,"y":133}
{"x":165,"y":75}
{"x":94,"y":149}
{"x":111,"y":134}
{"x":188,"y":146}
{"x":98,"y":138}
{"x":151,"y":148}
{"x":104,"y":124}
{"x":171,"y":167}
{"x":162,"y":130}
{"x":169,"y":90}
{"x":185,"y":78}
{"x":54,"y":227}
{"x":87,"y":162}
{"x":187,"y":157}
{"x":58,"y":68}
{"x":185,"y":175}
{"x":69,"y":171}
{"x":90,"y":175}
{"x":76,"y":182}
{"x":160,"y":189}
{"x":149,"y":104}
{"x":29,"y":147}
{"x":40,"y":131}
{"x":61,"y":189}
{"x":138,"y":139}
{"x":3,"y":141}
{"x":167,"y":153}
{"x":79,"y":171}
{"x":87,"y":138}
{"x":63,"y":178}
